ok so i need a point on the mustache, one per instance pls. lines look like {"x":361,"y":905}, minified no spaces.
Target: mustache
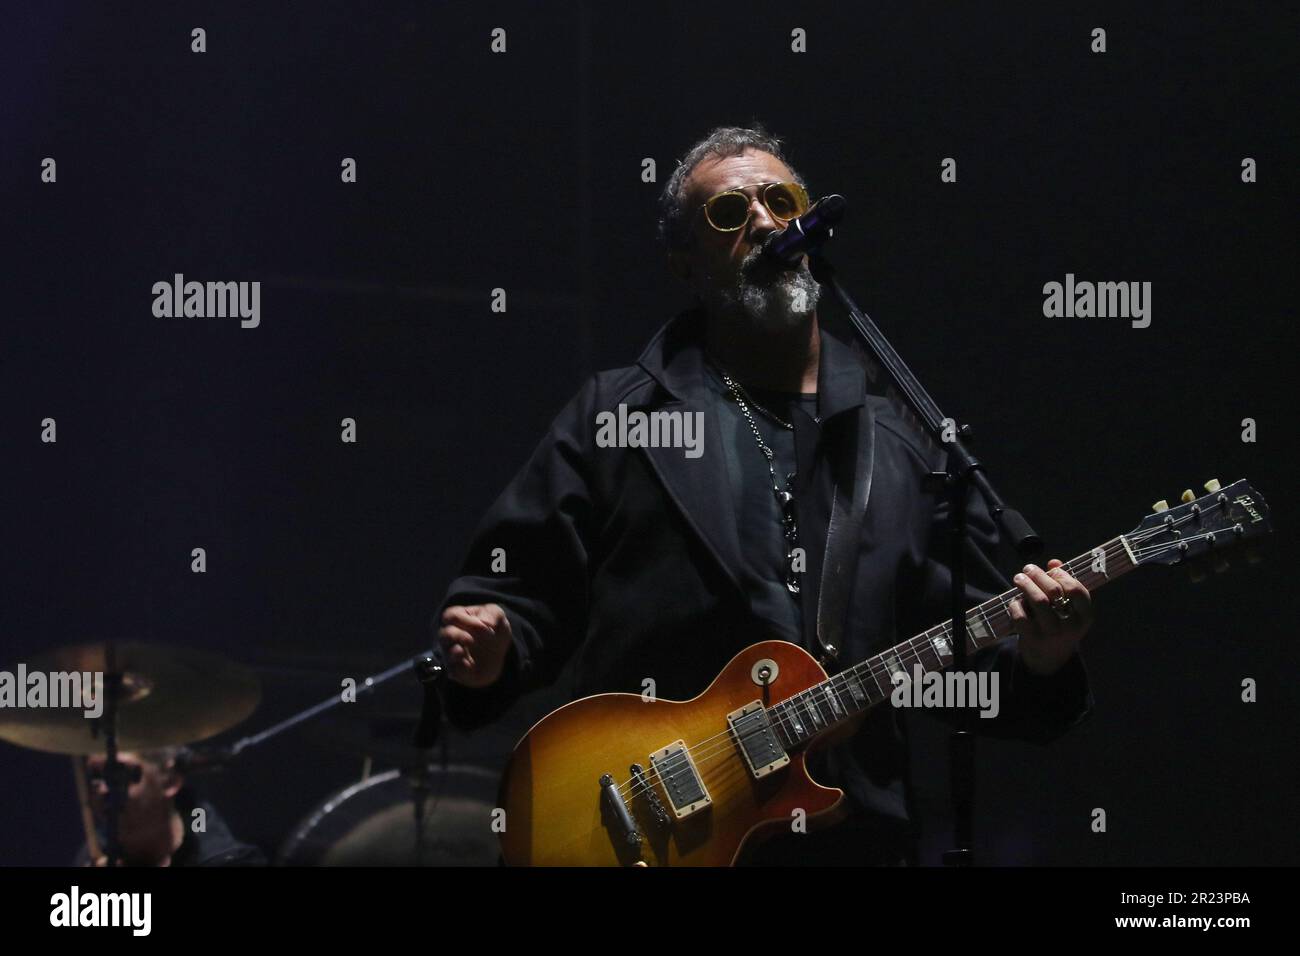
{"x":756,"y":268}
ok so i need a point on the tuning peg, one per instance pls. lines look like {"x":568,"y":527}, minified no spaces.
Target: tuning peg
{"x":1160,"y":505}
{"x":1196,"y":571}
{"x":1187,"y":496}
{"x":1212,"y":485}
{"x":1220,"y":564}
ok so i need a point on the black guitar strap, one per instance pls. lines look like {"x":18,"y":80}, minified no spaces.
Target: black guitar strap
{"x":852,"y":466}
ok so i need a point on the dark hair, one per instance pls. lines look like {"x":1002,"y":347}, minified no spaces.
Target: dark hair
{"x":721,"y":142}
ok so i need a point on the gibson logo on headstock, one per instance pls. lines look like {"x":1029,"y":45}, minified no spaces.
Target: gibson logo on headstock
{"x":1248,"y":503}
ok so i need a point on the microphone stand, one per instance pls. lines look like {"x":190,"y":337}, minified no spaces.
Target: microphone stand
{"x":428,"y":670}
{"x":425,"y":670}
{"x":963,"y":471}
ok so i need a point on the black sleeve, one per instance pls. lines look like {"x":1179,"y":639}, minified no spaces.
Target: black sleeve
{"x":1033,"y":708}
{"x":540,"y":523}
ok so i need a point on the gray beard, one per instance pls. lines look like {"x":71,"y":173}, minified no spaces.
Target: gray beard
{"x":774,"y":300}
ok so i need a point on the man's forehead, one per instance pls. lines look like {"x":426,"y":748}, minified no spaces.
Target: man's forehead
{"x":717,"y":175}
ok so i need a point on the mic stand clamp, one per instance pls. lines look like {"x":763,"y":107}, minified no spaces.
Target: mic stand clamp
{"x":430,"y":673}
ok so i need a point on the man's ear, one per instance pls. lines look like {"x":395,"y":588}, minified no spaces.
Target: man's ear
{"x":173,"y":779}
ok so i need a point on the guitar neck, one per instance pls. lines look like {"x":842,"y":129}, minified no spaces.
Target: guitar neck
{"x":845,"y":695}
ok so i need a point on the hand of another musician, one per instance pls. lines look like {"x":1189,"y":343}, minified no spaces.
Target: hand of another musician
{"x":475,"y":640}
{"x":1049,"y":635}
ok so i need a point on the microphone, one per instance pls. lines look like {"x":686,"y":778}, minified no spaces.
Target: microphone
{"x":806,"y":233}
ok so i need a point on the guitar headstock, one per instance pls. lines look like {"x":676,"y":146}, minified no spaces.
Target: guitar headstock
{"x":1207,"y":526}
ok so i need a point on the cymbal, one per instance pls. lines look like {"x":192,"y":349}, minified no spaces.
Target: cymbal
{"x":169,"y":696}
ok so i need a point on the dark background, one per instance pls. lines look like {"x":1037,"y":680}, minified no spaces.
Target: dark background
{"x":523,"y":171}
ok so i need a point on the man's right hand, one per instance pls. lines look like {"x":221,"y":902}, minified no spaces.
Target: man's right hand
{"x":475,"y":640}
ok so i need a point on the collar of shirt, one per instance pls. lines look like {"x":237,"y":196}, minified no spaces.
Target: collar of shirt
{"x":675,"y":359}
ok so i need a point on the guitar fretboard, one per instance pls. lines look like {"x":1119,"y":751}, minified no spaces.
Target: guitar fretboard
{"x":799,"y":718}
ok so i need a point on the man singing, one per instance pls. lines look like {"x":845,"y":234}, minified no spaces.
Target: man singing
{"x":648,"y":563}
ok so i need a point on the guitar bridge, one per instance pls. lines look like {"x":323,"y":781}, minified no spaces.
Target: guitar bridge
{"x":641,"y":785}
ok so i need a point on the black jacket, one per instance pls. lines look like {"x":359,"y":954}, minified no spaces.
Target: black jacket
{"x":628,"y":557}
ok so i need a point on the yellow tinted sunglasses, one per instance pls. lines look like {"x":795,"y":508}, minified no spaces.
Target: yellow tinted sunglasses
{"x":730,"y":210}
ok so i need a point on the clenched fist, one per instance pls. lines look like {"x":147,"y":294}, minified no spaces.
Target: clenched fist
{"x":475,"y":640}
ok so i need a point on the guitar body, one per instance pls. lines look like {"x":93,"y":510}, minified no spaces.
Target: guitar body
{"x":551,"y":791}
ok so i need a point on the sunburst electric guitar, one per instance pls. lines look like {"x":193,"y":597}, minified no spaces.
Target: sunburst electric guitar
{"x":619,"y":780}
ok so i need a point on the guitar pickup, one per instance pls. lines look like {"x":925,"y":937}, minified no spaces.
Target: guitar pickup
{"x":753,"y":733}
{"x":681,"y":781}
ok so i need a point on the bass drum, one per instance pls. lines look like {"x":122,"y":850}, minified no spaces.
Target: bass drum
{"x":375,"y":822}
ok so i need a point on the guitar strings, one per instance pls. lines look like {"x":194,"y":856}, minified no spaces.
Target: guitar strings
{"x":739,"y":770}
{"x":1003,"y":610}
{"x":876,"y":665}
{"x":1116,"y":547}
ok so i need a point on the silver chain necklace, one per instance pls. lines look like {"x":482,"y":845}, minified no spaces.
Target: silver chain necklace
{"x":784,"y":497}
{"x":737,"y":391}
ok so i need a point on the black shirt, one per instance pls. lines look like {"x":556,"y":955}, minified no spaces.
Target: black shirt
{"x":763,"y":546}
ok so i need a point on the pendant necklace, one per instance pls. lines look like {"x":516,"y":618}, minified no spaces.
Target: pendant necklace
{"x":784,"y":496}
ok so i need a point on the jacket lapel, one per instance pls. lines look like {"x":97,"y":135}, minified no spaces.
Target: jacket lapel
{"x":701,"y":489}
{"x":852,"y":465}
